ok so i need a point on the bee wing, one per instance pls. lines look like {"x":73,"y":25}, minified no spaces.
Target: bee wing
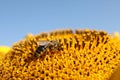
{"x":43,"y":42}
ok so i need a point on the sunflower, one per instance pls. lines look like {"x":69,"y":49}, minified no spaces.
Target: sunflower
{"x":81,"y":55}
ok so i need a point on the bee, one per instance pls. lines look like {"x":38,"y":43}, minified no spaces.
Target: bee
{"x":43,"y":46}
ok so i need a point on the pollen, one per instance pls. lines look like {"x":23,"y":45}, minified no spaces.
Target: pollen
{"x":84,"y":55}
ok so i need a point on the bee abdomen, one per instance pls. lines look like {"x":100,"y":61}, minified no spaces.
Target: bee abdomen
{"x":38,"y":51}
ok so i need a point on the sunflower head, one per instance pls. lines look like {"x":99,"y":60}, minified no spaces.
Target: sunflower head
{"x":83,"y":55}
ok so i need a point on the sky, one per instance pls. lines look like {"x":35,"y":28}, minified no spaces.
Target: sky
{"x":20,"y":17}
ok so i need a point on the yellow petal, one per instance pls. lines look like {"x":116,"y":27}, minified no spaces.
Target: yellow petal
{"x":4,"y":50}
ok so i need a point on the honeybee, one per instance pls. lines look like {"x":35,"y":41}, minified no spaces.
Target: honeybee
{"x":43,"y":46}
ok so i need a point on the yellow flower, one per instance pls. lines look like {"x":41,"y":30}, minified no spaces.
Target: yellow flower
{"x":65,"y":55}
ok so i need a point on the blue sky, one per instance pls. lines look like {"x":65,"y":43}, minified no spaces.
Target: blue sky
{"x":20,"y":17}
